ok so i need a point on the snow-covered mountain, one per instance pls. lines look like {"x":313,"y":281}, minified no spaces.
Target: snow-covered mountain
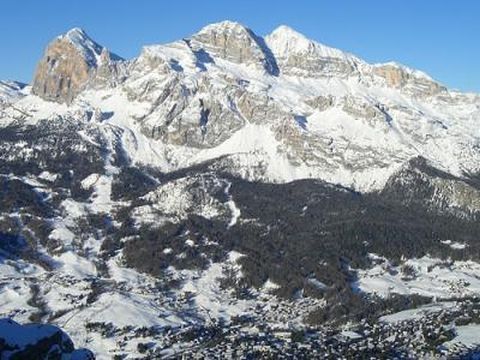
{"x":286,"y":105}
{"x":228,"y":184}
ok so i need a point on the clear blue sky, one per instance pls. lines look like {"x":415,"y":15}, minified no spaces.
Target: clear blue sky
{"x":440,"y":37}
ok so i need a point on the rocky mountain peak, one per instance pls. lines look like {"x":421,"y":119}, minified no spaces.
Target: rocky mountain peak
{"x":299,"y":56}
{"x":69,"y":63}
{"x":285,"y":39}
{"x":235,"y":42}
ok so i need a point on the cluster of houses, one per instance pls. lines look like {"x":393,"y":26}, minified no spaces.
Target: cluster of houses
{"x":253,"y":336}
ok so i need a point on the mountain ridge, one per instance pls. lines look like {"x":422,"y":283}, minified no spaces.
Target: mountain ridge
{"x":319,"y":113}
{"x":79,"y":37}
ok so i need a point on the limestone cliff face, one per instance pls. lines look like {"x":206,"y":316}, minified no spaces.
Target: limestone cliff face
{"x":394,"y":76}
{"x":69,"y":64}
{"x":398,"y":76}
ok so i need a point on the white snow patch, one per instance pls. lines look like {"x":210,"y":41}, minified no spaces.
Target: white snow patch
{"x":234,"y":210}
{"x":48,"y":176}
{"x":89,"y":181}
{"x":284,"y":41}
{"x":351,"y":334}
{"x":454,"y":244}
{"x":76,"y":265}
{"x":317,"y":283}
{"x":270,"y":286}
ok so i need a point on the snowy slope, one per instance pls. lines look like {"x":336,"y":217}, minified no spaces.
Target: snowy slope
{"x":11,"y":91}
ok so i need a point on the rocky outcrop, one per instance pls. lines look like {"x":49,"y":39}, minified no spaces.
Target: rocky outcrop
{"x":69,"y":64}
{"x":398,"y":76}
{"x":374,"y":114}
{"x":111,"y":70}
{"x":321,"y":103}
{"x":256,"y":107}
{"x":64,"y":70}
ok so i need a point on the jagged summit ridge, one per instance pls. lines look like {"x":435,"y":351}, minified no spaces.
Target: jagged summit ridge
{"x":283,"y":52}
